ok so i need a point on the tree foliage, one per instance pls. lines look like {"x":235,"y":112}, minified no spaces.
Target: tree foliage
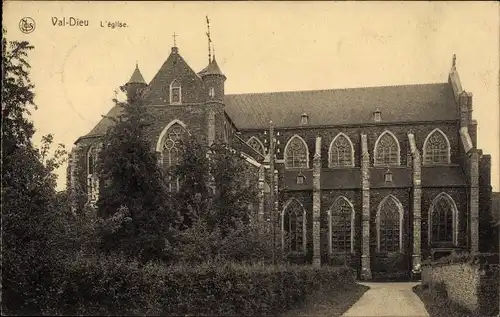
{"x":216,"y":186}
{"x":132,"y":188}
{"x":32,"y":230}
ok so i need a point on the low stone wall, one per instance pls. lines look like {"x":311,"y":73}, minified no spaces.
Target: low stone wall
{"x":461,"y":281}
{"x":470,"y":284}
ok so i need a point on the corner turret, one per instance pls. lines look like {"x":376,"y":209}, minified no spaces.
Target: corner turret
{"x":214,"y":81}
{"x":135,"y":84}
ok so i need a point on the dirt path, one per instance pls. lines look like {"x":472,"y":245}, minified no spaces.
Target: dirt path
{"x":388,"y":299}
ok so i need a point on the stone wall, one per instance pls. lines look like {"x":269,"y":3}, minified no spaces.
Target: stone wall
{"x":372,"y":131}
{"x":461,"y":280}
{"x":470,"y":285}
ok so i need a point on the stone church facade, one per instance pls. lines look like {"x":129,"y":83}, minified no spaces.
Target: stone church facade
{"x":378,"y":177}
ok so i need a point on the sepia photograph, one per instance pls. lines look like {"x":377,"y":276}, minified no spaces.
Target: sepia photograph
{"x":274,"y":158}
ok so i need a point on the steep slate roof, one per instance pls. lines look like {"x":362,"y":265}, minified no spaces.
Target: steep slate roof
{"x":406,"y":103}
{"x":136,"y":77}
{"x":105,"y":122}
{"x":212,"y":69}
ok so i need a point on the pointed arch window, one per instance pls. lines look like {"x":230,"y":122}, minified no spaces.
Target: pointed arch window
{"x":436,"y":148}
{"x":294,"y":224}
{"x":389,"y":225}
{"x":387,"y":150}
{"x":172,"y":145}
{"x":91,"y":160}
{"x":226,"y":131}
{"x":296,"y":153}
{"x":172,"y":152}
{"x":175,"y":92}
{"x":92,"y":179}
{"x":341,"y":152}
{"x":256,"y":145}
{"x":442,"y":220}
{"x":341,"y":226}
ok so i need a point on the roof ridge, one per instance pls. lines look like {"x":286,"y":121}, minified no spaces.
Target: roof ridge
{"x":337,"y":89}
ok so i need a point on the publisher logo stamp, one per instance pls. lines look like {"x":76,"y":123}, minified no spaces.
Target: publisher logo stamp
{"x":27,"y":25}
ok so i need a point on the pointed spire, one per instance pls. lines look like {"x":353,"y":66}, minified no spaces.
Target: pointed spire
{"x":454,"y":62}
{"x":212,"y":69}
{"x":136,"y":77}
{"x":209,"y":40}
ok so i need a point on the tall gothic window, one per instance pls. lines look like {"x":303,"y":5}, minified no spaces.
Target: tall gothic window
{"x":294,"y":226}
{"x":341,"y":151}
{"x":296,"y":153}
{"x":171,"y":153}
{"x":442,"y":216}
{"x":92,"y":179}
{"x":256,"y":145}
{"x":341,"y":226}
{"x":389,"y":223}
{"x":91,"y":160}
{"x":226,"y":131}
{"x":436,"y":148}
{"x":175,"y":92}
{"x":387,"y":150}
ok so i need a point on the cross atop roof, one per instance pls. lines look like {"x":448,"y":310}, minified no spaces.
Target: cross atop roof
{"x":174,"y":36}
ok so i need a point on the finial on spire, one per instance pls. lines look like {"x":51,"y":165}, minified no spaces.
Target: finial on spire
{"x":136,"y":64}
{"x":454,"y":63}
{"x":174,"y":36}
{"x":209,"y":41}
{"x":213,"y":52}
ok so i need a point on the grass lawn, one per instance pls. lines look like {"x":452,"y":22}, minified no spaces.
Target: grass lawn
{"x":438,"y":305}
{"x":332,"y":304}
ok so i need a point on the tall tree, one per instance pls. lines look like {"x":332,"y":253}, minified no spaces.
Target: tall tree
{"x":217,"y":184}
{"x":193,"y":198}
{"x":31,"y":229}
{"x":235,"y":188}
{"x":132,"y":185}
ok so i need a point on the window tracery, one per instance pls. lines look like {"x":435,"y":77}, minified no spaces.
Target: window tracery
{"x":296,"y":153}
{"x":436,"y":148}
{"x":341,"y":152}
{"x":387,"y":150}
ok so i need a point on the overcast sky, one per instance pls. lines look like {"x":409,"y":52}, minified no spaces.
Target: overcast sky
{"x":260,"y":46}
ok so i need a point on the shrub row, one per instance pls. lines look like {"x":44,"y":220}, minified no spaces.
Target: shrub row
{"x":465,"y":257}
{"x":115,"y":287}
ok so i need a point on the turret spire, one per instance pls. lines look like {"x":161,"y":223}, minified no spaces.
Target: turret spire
{"x":209,"y":40}
{"x":136,"y":77}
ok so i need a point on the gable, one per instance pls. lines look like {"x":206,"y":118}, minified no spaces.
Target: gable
{"x":175,"y":68}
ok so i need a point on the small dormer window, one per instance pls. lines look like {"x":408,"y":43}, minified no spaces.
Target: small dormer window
{"x":388,"y":176}
{"x":376,"y":116}
{"x":175,"y":92}
{"x":304,"y":119}
{"x":211,"y":92}
{"x":300,"y":179}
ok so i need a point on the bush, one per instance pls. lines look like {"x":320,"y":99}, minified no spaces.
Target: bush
{"x":110,"y":286}
{"x":246,"y":243}
{"x":465,"y":257}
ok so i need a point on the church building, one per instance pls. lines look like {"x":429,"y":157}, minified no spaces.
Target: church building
{"x":379,"y":178}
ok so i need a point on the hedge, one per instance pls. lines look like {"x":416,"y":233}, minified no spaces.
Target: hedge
{"x":465,"y":257}
{"x":115,"y":287}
